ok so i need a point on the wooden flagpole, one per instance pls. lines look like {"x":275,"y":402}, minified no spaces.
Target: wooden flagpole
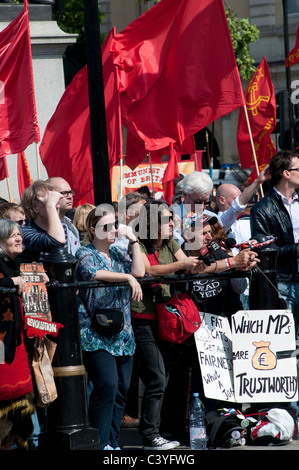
{"x":252,"y":146}
{"x":121,"y":168}
{"x":150,"y":162}
{"x":37,"y":160}
{"x":8,"y":188}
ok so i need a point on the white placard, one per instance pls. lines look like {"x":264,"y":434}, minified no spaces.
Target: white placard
{"x":264,"y":362}
{"x":214,"y":347}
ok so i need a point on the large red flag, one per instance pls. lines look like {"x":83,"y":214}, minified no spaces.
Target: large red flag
{"x":66,"y":146}
{"x":177,"y":70}
{"x":293,"y":56}
{"x":24,"y":177}
{"x":261,"y":108}
{"x":18,"y":120}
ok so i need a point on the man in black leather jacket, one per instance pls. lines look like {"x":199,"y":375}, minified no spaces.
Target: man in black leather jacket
{"x":277,"y":214}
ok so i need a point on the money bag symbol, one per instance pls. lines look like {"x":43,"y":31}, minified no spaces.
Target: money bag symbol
{"x":263,"y":358}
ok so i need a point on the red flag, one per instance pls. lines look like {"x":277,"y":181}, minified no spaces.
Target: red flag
{"x":24,"y":178}
{"x":261,"y":108}
{"x":293,"y":56}
{"x":171,"y":172}
{"x":175,"y":75}
{"x":3,"y":169}
{"x":18,"y":120}
{"x":66,"y":146}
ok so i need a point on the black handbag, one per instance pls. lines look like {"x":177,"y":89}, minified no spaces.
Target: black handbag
{"x":105,"y":321}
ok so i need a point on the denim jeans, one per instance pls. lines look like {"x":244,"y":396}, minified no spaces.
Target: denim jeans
{"x":155,"y":358}
{"x":289,"y":291}
{"x":110,"y":377}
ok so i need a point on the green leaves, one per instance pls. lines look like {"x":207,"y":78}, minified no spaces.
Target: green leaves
{"x":242,"y":34}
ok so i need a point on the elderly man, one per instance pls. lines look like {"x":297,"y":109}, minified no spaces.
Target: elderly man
{"x":65,"y":205}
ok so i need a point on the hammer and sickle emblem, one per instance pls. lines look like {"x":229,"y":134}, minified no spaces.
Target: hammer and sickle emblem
{"x":255,"y":101}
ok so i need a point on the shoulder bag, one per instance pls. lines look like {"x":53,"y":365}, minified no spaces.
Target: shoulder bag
{"x":105,"y":321}
{"x":178,"y":318}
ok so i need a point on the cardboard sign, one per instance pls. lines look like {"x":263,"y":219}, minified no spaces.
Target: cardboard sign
{"x":214,"y":346}
{"x":264,"y":358}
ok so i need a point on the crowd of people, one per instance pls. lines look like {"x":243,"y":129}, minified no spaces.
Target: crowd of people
{"x":121,"y":243}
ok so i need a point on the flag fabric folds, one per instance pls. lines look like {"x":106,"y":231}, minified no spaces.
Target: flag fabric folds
{"x":175,"y":75}
{"x":261,"y":108}
{"x":293,"y":55}
{"x":66,"y":145}
{"x":24,"y":177}
{"x":3,"y":169}
{"x":18,"y":120}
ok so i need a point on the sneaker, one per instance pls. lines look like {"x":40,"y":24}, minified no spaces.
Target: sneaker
{"x":117,"y":448}
{"x":159,"y":443}
{"x":108,"y":447}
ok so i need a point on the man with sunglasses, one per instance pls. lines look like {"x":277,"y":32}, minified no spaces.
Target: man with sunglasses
{"x":277,"y":214}
{"x":13,"y":211}
{"x":65,"y":205}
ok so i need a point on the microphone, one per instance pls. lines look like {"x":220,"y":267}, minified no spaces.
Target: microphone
{"x":230,"y":242}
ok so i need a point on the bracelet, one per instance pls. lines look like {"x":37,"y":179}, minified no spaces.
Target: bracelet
{"x":215,"y":267}
{"x":228,"y":264}
{"x":135,"y":241}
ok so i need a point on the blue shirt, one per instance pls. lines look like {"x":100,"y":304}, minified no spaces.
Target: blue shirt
{"x":91,"y":261}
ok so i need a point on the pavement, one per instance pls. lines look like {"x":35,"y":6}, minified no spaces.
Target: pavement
{"x":131,"y":441}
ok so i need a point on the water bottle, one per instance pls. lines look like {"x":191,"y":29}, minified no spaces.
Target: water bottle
{"x":197,"y":427}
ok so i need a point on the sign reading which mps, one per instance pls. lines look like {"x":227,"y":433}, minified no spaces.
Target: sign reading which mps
{"x":264,"y":358}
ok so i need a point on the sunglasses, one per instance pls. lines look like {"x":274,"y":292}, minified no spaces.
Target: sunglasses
{"x":166,"y":219}
{"x":71,"y":192}
{"x":293,"y":169}
{"x":21,"y":222}
{"x":205,"y":203}
{"x":108,"y":227}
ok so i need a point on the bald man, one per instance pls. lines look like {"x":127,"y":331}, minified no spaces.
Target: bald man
{"x":232,"y":202}
{"x":65,"y":205}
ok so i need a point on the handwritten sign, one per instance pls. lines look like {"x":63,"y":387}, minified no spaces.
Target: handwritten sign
{"x":264,"y":360}
{"x":214,"y":347}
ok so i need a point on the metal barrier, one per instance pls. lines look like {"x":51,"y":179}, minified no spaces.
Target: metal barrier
{"x":67,"y":417}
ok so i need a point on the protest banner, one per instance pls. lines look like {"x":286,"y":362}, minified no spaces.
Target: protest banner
{"x":214,"y":346}
{"x":264,"y":357}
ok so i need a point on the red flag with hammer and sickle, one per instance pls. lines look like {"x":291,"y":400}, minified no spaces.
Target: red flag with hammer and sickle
{"x":261,"y":109}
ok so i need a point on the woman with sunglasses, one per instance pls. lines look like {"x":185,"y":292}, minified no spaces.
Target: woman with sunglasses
{"x":155,"y":356}
{"x":108,"y":360}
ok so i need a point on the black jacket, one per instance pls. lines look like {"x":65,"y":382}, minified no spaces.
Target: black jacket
{"x":270,"y":217}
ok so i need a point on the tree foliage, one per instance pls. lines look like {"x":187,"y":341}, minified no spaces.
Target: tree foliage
{"x":71,"y":18}
{"x":242,"y":34}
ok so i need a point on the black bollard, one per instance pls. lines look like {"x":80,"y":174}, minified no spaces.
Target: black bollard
{"x":263,"y":294}
{"x":67,"y":424}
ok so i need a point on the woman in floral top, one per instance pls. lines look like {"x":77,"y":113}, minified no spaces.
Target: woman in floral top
{"x":108,"y":360}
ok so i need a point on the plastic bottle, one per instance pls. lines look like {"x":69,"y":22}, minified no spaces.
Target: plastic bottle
{"x":197,"y":427}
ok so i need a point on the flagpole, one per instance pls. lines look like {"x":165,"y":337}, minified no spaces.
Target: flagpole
{"x":121,"y":177}
{"x":150,"y":162}
{"x":37,"y":160}
{"x":252,"y":146}
{"x":8,"y":188}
